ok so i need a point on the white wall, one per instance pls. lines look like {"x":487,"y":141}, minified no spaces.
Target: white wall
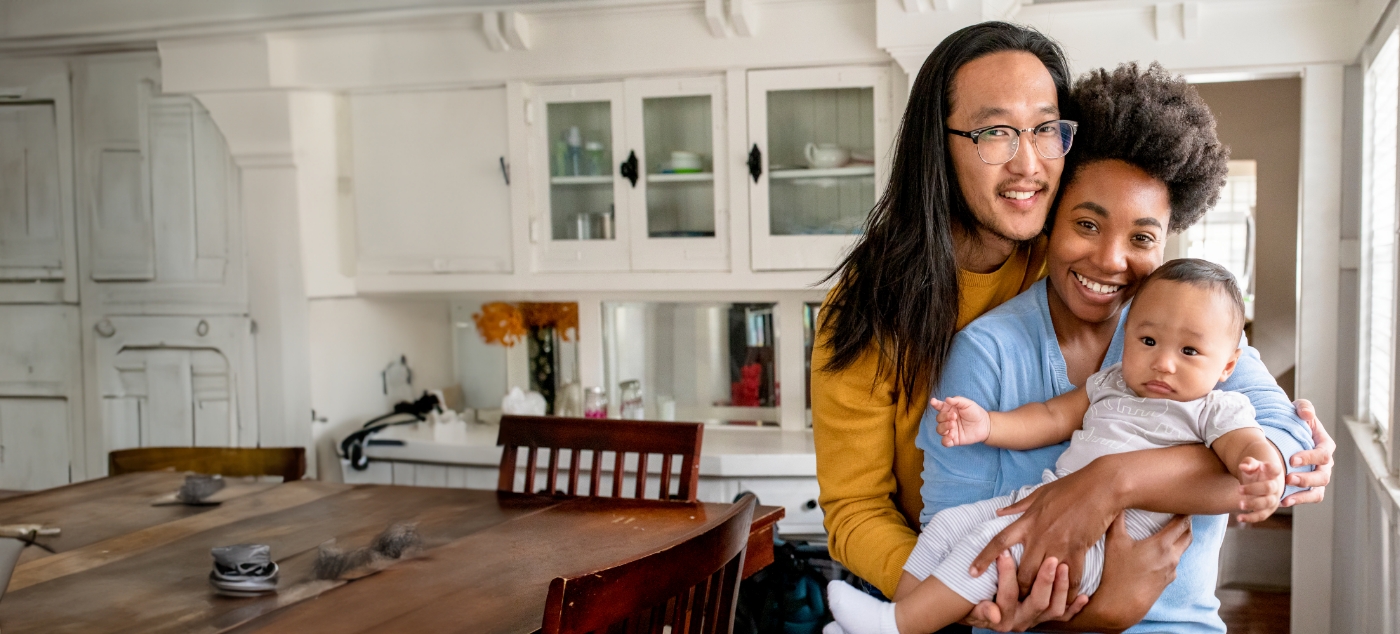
{"x":351,"y":341}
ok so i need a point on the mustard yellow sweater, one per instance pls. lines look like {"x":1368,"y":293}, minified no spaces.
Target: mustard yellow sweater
{"x":867,"y":465}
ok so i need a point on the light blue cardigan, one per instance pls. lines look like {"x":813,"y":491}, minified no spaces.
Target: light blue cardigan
{"x":1010,"y":357}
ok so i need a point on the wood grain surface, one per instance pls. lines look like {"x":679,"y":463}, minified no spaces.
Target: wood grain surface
{"x":488,"y":559}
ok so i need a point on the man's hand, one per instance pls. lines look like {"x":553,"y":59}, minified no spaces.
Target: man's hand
{"x":1048,"y":600}
{"x":1320,"y":457}
{"x":1261,"y":484}
{"x":961,"y":421}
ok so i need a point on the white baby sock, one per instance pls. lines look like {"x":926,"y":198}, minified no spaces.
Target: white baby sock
{"x":858,"y":612}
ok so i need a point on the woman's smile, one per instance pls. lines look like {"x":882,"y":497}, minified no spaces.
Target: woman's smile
{"x":1109,"y":234}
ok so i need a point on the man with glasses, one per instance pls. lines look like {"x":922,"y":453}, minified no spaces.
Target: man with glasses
{"x":976,"y":166}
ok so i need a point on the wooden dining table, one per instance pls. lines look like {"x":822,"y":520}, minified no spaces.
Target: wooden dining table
{"x":123,"y":564}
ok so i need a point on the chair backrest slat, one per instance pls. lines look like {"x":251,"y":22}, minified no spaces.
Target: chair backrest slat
{"x":595,"y":477}
{"x":530,"y":467}
{"x":666,"y":477}
{"x":621,"y":437}
{"x":574,"y":456}
{"x":699,"y":573}
{"x":553,"y":470}
{"x":642,"y":476}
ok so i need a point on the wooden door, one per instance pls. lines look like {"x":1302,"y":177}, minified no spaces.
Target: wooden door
{"x":158,"y":191}
{"x":41,"y":409}
{"x":38,"y":244}
{"x":174,"y":381}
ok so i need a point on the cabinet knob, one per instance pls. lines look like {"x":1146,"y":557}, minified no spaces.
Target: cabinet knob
{"x":202,"y":328}
{"x":629,"y":168}
{"x":105,"y":328}
{"x":755,"y":163}
{"x":810,"y":505}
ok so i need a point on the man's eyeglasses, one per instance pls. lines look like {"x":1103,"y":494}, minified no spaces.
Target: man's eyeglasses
{"x":997,"y":144}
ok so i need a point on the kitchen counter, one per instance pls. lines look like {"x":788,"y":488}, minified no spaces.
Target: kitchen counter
{"x":726,"y":452}
{"x":778,"y":466}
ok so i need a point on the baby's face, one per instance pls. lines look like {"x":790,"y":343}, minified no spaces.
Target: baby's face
{"x":1181,"y":341}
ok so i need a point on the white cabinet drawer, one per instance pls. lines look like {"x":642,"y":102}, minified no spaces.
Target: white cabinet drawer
{"x":797,"y":495}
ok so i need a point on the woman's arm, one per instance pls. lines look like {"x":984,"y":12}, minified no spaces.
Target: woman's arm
{"x":853,"y":426}
{"x":1069,"y":515}
{"x":1276,"y":414}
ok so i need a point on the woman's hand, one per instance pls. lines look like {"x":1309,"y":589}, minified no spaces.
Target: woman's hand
{"x":1320,"y":457}
{"x":1048,"y":599}
{"x":1066,"y":517}
{"x":1134,"y":574}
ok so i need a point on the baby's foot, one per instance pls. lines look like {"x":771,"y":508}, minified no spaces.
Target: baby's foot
{"x":858,"y":612}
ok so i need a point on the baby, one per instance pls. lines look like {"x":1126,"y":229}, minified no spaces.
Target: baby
{"x":1182,"y":338}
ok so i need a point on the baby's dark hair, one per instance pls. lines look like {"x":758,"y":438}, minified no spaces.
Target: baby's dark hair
{"x":1154,"y":121}
{"x":1201,"y":274}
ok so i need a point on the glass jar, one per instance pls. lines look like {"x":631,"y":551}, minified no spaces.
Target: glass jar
{"x":595,"y":403}
{"x":631,"y":404}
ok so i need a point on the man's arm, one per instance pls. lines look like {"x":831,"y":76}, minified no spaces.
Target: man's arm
{"x":853,"y":414}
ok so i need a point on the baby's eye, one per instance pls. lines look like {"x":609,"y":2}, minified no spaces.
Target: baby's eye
{"x":1189,"y":351}
{"x":1148,"y":341}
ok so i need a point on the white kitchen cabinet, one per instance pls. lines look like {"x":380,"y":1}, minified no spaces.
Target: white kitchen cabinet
{"x":158,"y":194}
{"x":174,"y":381}
{"x":430,"y":181}
{"x":626,"y":178}
{"x":679,"y":217}
{"x":41,"y":412}
{"x":574,"y":164}
{"x":38,"y":249}
{"x":805,"y":211}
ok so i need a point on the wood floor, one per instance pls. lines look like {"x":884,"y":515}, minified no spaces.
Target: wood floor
{"x":1253,"y":612}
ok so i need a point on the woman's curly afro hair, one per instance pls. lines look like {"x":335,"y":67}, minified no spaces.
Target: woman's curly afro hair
{"x":1156,"y":122}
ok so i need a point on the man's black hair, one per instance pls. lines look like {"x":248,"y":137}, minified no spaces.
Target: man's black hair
{"x":898,"y":288}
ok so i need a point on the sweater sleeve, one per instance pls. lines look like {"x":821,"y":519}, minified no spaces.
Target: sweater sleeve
{"x":853,"y":425}
{"x":1272,"y":409}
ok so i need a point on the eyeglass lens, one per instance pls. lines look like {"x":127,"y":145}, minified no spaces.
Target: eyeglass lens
{"x":999,"y":144}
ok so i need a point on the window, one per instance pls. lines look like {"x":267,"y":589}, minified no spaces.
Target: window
{"x":1225,"y":235}
{"x":1378,"y":218}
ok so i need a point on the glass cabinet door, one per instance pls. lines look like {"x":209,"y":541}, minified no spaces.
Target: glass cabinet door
{"x":816,"y":136}
{"x":581,"y":226}
{"x":676,"y":129}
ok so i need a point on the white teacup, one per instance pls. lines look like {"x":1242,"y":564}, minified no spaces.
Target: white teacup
{"x":826,"y":155}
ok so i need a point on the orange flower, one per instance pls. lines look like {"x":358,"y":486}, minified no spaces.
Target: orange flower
{"x":499,"y":322}
{"x":562,"y":316}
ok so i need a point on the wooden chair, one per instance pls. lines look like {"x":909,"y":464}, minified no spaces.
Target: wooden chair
{"x":576,"y":435}
{"x":691,"y":585}
{"x":288,"y":462}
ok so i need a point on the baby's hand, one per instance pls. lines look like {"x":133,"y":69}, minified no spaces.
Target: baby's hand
{"x":1261,"y":486}
{"x":961,"y":421}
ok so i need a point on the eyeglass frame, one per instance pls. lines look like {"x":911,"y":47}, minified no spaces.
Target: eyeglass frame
{"x":973,"y":134}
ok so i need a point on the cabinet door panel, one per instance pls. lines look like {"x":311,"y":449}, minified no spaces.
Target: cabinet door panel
{"x":31,"y":246}
{"x":582,"y":220}
{"x":823,"y":135}
{"x":175,"y":381}
{"x":40,"y":402}
{"x":123,"y":245}
{"x":430,"y":191}
{"x":159,"y":197}
{"x":33,"y":443}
